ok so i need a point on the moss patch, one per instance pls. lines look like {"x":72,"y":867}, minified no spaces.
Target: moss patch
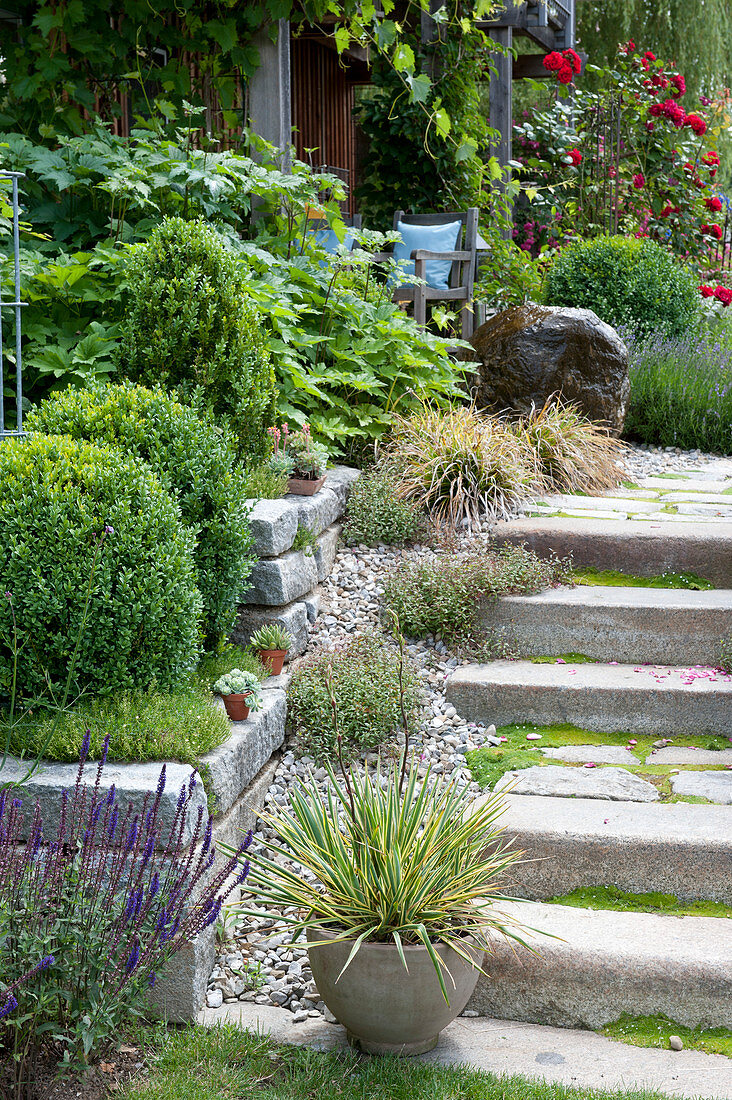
{"x":568,"y":658}
{"x":654,"y":1031}
{"x":611,"y":578}
{"x":610,"y":897}
{"x":487,"y":765}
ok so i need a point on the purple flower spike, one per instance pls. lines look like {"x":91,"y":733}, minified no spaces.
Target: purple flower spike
{"x":161,"y":782}
{"x":105,"y":750}
{"x":8,"y":1007}
{"x":84,"y":747}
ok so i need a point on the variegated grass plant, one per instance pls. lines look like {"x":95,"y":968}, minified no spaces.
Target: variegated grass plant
{"x":386,"y":857}
{"x":571,"y":453}
{"x":461,"y":465}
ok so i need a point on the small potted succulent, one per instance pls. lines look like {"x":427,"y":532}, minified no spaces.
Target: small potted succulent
{"x":241,"y":692}
{"x":272,"y":642}
{"x":299,"y":456}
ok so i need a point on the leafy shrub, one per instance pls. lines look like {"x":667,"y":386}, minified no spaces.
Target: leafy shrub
{"x":442,"y":594}
{"x":626,"y":281}
{"x":192,"y":327}
{"x":377,"y":514}
{"x":190,"y":455}
{"x":459,"y":464}
{"x":680,"y":392}
{"x":364,"y":676}
{"x":88,"y":921}
{"x":59,"y":496}
{"x":572,"y":455}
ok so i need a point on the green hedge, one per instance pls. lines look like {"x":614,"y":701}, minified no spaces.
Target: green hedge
{"x":626,"y":281}
{"x":188,"y":453}
{"x":191,"y":327}
{"x":58,"y":497}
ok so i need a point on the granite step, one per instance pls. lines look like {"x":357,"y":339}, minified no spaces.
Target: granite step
{"x":671,"y":848}
{"x":645,"y":548}
{"x":602,"y":964}
{"x":622,"y":624}
{"x":660,"y":700}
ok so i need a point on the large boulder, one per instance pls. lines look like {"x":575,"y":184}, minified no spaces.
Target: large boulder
{"x":528,"y":353}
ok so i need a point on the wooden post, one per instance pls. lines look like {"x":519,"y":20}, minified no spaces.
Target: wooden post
{"x":500,"y":97}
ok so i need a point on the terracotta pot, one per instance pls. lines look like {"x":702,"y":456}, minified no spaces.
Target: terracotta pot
{"x":236,"y":705}
{"x":384,"y":1009}
{"x":304,"y":487}
{"x":273,"y":659}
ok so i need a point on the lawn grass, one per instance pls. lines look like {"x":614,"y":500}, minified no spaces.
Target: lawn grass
{"x":610,"y":897}
{"x":225,"y":1063}
{"x":182,"y":725}
{"x":611,"y":578}
{"x":654,"y":1031}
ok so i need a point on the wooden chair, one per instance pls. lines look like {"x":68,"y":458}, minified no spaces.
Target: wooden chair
{"x":462,"y":273}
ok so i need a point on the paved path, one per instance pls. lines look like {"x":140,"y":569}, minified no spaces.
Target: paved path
{"x":558,"y":1055}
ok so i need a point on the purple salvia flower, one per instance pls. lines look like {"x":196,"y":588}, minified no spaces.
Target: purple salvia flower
{"x":154,"y":885}
{"x":85,"y":748}
{"x":113,"y":818}
{"x":244,"y":872}
{"x":133,"y":958}
{"x":131,"y":837}
{"x":105,"y":751}
{"x":11,"y":1002}
{"x":192,"y":782}
{"x":161,"y":782}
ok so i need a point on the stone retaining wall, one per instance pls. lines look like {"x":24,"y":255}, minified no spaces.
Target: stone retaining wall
{"x":283,"y":582}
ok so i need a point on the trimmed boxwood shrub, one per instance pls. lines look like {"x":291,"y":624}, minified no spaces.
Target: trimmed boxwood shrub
{"x":191,"y":327}
{"x":58,"y":497}
{"x":626,"y":281}
{"x":192,"y":456}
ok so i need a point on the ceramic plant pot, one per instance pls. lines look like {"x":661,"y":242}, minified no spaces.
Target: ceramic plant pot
{"x":236,"y":705}
{"x":305,"y":487}
{"x":273,"y":659}
{"x":385,"y":1009}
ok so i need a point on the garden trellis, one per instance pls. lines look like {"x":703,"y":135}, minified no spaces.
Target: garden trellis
{"x":16,"y":306}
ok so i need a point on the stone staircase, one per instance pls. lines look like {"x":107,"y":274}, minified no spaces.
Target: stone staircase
{"x":644,"y":678}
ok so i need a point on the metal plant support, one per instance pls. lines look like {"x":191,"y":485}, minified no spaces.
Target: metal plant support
{"x":16,"y":305}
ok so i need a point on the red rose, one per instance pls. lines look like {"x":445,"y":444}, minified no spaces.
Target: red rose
{"x":679,"y":85}
{"x":712,"y":230}
{"x":723,"y":294}
{"x":707,"y":291}
{"x":711,"y":158}
{"x":575,"y":155}
{"x":713,"y":203}
{"x":574,"y":59}
{"x":553,"y":61}
{"x":697,"y":124}
{"x":639,"y":180}
{"x":564,"y":75}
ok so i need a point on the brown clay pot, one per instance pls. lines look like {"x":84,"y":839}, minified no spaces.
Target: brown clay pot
{"x":273,"y":659}
{"x":304,"y":487}
{"x":236,"y":705}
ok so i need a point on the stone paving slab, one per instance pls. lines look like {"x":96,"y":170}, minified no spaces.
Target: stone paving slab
{"x":701,"y":498}
{"x":676,"y":848}
{"x":609,"y":623}
{"x":564,"y":502}
{"x":604,"y":697}
{"x":559,"y":1056}
{"x":685,"y":484}
{"x":682,"y":755}
{"x":614,"y":784}
{"x":661,"y":518}
{"x":716,"y":786}
{"x":632,"y":546}
{"x":588,"y":754}
{"x":603,"y":963}
{"x":233,"y":765}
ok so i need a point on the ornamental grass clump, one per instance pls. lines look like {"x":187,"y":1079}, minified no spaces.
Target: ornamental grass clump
{"x":460,"y":465}
{"x":571,"y":453}
{"x":95,"y":897}
{"x":385,"y":857}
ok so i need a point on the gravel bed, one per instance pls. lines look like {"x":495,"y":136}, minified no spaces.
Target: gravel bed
{"x":257,"y":960}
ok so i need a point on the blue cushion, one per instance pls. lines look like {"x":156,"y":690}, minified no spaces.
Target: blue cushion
{"x":435,"y":238}
{"x":327,"y":239}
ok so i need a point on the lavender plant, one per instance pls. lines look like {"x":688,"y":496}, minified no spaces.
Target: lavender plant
{"x":681,"y":391}
{"x":91,"y":912}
